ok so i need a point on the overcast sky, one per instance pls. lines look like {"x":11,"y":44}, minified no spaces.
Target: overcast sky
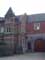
{"x":22,"y":6}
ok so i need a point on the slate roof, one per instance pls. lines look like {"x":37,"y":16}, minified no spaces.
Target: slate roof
{"x":36,"y":18}
{"x":31,"y":18}
{"x":17,"y":19}
{"x":9,"y":13}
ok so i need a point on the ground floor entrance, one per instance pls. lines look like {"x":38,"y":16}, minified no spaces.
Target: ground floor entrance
{"x":36,"y":45}
{"x":32,"y":44}
{"x":29,"y":46}
{"x":39,"y":45}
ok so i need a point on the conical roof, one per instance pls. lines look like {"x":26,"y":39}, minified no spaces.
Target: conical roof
{"x":9,"y":13}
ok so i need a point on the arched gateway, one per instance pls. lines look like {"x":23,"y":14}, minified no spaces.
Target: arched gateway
{"x":39,"y":45}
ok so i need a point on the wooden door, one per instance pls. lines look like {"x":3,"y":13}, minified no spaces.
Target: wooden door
{"x":40,"y":45}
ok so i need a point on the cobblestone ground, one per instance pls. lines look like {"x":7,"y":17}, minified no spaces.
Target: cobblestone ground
{"x":28,"y":56}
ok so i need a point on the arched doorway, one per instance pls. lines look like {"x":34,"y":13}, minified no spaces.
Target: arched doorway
{"x":39,"y":45}
{"x":29,"y":46}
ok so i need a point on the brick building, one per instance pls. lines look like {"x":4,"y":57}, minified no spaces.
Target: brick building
{"x":27,"y":31}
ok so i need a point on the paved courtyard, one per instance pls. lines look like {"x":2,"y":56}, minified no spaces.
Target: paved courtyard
{"x":28,"y":56}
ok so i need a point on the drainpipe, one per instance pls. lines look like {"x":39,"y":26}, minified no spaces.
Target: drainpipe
{"x":32,"y":45}
{"x":17,"y":33}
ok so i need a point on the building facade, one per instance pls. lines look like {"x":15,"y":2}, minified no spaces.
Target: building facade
{"x":27,"y":31}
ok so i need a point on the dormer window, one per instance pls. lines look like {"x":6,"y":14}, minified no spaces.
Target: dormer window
{"x":36,"y":26}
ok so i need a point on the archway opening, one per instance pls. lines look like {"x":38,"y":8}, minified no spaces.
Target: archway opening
{"x":29,"y":45}
{"x":39,"y":45}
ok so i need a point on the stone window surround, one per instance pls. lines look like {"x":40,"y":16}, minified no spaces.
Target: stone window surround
{"x":36,"y":26}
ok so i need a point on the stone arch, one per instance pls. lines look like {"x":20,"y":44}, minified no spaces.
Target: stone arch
{"x":39,"y":45}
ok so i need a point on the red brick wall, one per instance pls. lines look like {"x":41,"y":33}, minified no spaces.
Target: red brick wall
{"x":30,"y":28}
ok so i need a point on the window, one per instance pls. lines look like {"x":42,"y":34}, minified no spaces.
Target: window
{"x":2,"y":29}
{"x":8,"y":29}
{"x":37,"y":26}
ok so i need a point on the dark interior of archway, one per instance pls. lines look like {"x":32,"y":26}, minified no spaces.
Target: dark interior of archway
{"x":29,"y":45}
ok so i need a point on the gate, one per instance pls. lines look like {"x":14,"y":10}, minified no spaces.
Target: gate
{"x":39,"y":45}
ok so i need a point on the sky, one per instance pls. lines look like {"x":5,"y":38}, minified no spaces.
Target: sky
{"x":22,"y":6}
